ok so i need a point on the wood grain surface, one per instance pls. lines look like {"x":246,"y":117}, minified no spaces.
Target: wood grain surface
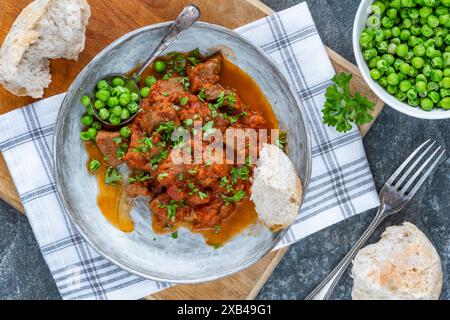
{"x":113,"y":18}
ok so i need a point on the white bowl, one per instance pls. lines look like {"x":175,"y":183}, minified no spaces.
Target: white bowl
{"x":358,"y":26}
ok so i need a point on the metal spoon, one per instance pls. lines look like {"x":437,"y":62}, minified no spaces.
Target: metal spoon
{"x":187,"y":17}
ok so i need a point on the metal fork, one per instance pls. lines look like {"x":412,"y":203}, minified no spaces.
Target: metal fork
{"x":394,"y":196}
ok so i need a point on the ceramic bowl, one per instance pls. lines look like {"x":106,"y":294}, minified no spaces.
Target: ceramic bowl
{"x":187,"y":259}
{"x":359,"y":24}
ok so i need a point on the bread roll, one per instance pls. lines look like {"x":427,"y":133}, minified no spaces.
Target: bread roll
{"x":45,"y":29}
{"x":402,"y":265}
{"x":276,"y":189}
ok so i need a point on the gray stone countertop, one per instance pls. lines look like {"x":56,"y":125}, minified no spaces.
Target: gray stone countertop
{"x":24,"y":274}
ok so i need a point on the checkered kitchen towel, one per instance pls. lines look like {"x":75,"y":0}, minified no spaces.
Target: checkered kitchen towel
{"x":341,"y":184}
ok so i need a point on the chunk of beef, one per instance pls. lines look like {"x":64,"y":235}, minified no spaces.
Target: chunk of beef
{"x":158,"y":206}
{"x":175,"y":193}
{"x":196,"y":110}
{"x":168,"y":173}
{"x":141,"y":149}
{"x":152,"y":115}
{"x":108,"y":143}
{"x":212,"y":214}
{"x":140,"y":188}
{"x":163,"y":89}
{"x":206,"y":73}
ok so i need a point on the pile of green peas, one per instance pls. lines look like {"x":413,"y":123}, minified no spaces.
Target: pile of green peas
{"x":406,"y":44}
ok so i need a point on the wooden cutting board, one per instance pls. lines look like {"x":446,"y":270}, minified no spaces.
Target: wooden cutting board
{"x":111,"y":19}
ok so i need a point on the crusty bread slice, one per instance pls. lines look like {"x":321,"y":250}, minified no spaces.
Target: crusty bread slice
{"x":276,"y":189}
{"x":45,"y":29}
{"x":402,"y":265}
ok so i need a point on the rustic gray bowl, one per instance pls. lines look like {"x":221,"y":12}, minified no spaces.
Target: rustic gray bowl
{"x":187,"y":259}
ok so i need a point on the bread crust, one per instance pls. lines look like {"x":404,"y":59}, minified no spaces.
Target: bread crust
{"x":402,"y":265}
{"x":23,"y":35}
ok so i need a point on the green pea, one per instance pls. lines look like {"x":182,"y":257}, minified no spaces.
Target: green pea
{"x":446,"y":58}
{"x":417,"y":62}
{"x":447,"y":72}
{"x":404,"y":68}
{"x":89,"y":110}
{"x":392,"y":48}
{"x":397,"y":41}
{"x":373,"y":62}
{"x":414,"y":102}
{"x":102,"y":85}
{"x":434,"y":96}
{"x":117,"y":91}
{"x":125,"y":114}
{"x":87,"y":120}
{"x":134,"y":97}
{"x":444,"y":93}
{"x":441,"y":10}
{"x":145,"y":92}
{"x":402,"y":50}
{"x":375,"y":74}
{"x":421,"y":77}
{"x":160,"y":66}
{"x":383,"y":46}
{"x":396,"y":32}
{"x":427,"y":70}
{"x":382,"y":66}
{"x":125,"y":132}
{"x":112,"y":102}
{"x":445,"y":82}
{"x":133,"y":107}
{"x":421,"y":87}
{"x":103,"y":114}
{"x":92,"y":132}
{"x":436,"y":75}
{"x":365,"y":40}
{"x":85,"y":100}
{"x":373,"y":22}
{"x":411,"y":94}
{"x":117,"y":81}
{"x":378,"y":7}
{"x":387,"y":22}
{"x":124,"y":99}
{"x":425,"y":12}
{"x":445,"y":103}
{"x":405,"y":34}
{"x":117,"y":110}
{"x":150,"y":80}
{"x":85,"y":136}
{"x":405,"y":85}
{"x":419,"y":51}
{"x":400,"y":96}
{"x":392,"y":89}
{"x":438,"y":41}
{"x":432,"y":86}
{"x":379,"y":36}
{"x":437,"y":62}
{"x":383,"y":82}
{"x":393,"y":79}
{"x":114,"y":119}
{"x":444,"y":19}
{"x":413,"y":13}
{"x":426,"y":31}
{"x":391,"y":13}
{"x":389,"y":58}
{"x":415,"y":30}
{"x":102,"y":95}
{"x":387,"y":33}
{"x":98,"y":104}
{"x":426,"y":104}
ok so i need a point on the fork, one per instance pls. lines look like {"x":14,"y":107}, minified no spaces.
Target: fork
{"x":394,"y":196}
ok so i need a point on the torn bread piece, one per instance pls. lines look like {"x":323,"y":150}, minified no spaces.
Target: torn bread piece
{"x":45,"y":29}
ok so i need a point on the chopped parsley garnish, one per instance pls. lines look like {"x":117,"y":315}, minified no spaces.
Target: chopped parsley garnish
{"x":117,"y":140}
{"x":281,"y":141}
{"x":121,"y":151}
{"x":202,"y":95}
{"x":234,"y":119}
{"x":180,"y":176}
{"x":193,"y":171}
{"x":217,"y":229}
{"x":165,"y":94}
{"x":183,"y":100}
{"x":139,"y":177}
{"x":168,"y":75}
{"x":162,"y":176}
{"x":188,"y":122}
{"x":238,"y":196}
{"x":240,"y":172}
{"x":112,"y":176}
{"x":175,"y":235}
{"x":202,"y":195}
{"x":209,"y":128}
{"x":171,"y":209}
{"x":94,"y":165}
{"x":186,"y":83}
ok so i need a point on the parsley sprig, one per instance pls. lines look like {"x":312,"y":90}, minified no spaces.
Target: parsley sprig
{"x":341,"y":109}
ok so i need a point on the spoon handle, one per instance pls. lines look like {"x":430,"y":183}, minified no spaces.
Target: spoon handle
{"x":185,"y":19}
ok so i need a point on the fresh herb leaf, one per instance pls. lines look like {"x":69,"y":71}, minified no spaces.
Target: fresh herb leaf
{"x":171,"y":209}
{"x":240,"y":172}
{"x":186,"y":83}
{"x":94,"y":165}
{"x":238,"y":196}
{"x":121,"y":151}
{"x":162,"y":176}
{"x":183,"y":100}
{"x":217,"y":229}
{"x":341,"y":109}
{"x":193,"y":171}
{"x":175,"y":235}
{"x":112,"y":176}
{"x":202,"y":95}
{"x":139,"y":177}
{"x":281,"y":141}
{"x":188,"y":122}
{"x":202,"y":195}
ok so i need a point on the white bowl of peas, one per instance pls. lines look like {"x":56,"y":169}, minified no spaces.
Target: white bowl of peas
{"x":402,"y":48}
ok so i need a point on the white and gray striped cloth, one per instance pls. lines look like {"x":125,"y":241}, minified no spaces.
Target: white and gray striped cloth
{"x":341,"y":184}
